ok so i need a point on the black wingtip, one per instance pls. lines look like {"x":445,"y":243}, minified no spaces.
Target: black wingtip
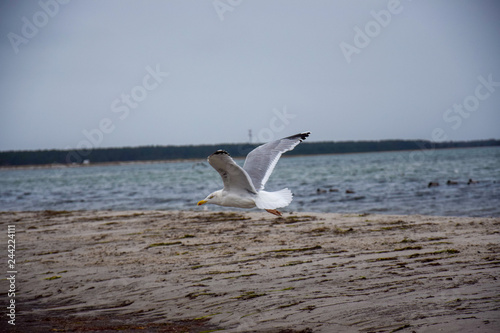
{"x":220,"y":151}
{"x":302,"y":136}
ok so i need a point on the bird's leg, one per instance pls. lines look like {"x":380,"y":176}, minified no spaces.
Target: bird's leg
{"x":273,"y":211}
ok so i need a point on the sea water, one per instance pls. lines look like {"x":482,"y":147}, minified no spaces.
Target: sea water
{"x":384,"y":183}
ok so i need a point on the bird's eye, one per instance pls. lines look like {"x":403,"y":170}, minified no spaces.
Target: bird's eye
{"x":211,"y":197}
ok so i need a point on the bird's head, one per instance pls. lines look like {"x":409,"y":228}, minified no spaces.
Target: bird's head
{"x":213,"y":198}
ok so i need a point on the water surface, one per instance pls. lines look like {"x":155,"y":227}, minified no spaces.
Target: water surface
{"x":388,"y":183}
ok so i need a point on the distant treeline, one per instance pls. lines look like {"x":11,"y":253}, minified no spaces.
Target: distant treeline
{"x":156,"y":153}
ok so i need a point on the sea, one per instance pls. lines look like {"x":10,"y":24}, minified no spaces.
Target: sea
{"x":444,"y":182}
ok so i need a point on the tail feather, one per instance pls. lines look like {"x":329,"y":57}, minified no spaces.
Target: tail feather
{"x":273,"y":200}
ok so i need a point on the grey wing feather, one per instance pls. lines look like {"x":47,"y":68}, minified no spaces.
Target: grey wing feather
{"x":261,"y":161}
{"x":233,"y":176}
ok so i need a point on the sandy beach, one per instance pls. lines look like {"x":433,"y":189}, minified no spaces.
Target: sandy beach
{"x":180,"y":271}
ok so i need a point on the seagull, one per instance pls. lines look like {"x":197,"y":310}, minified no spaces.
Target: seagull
{"x":244,"y":186}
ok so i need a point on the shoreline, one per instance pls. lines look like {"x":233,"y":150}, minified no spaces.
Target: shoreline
{"x":252,"y":272}
{"x":98,"y":164}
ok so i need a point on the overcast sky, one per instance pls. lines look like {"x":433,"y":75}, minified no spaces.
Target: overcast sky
{"x":130,"y":73}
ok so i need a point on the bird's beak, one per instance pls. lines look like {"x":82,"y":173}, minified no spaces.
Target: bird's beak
{"x":202,"y":202}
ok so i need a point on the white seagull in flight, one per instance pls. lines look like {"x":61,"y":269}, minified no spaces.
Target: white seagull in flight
{"x":244,"y":187}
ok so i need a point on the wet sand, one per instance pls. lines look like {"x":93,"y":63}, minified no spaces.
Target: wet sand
{"x":179,"y":271}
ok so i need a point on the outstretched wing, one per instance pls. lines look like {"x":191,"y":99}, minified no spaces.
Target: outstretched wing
{"x":233,"y":176}
{"x":261,"y":161}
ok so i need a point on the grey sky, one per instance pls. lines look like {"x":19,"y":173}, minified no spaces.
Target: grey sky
{"x":276,"y":67}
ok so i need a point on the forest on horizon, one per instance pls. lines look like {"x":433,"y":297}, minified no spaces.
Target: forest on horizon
{"x":159,"y":153}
